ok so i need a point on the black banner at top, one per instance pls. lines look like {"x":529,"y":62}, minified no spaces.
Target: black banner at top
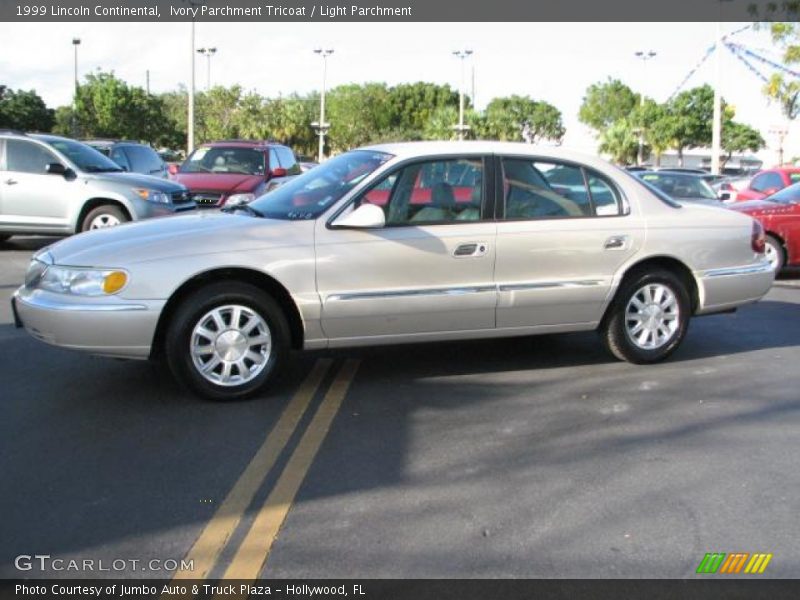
{"x":398,"y":10}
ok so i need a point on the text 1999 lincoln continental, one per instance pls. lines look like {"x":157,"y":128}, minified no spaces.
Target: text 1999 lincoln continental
{"x":398,"y":243}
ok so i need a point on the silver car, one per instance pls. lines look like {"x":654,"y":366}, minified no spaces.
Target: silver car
{"x":398,"y":243}
{"x":56,"y":186}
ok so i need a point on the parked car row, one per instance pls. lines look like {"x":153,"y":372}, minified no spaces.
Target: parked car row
{"x":53,"y":185}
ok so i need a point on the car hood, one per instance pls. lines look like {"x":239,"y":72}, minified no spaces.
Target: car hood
{"x":178,"y":236}
{"x":224,"y":183}
{"x":760,"y":207}
{"x":138,"y":180}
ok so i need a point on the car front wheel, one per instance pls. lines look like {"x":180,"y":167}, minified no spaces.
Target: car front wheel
{"x":227,"y":341}
{"x":106,"y":215}
{"x":648,"y":319}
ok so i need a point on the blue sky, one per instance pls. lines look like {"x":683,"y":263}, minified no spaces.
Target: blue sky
{"x":548,"y":61}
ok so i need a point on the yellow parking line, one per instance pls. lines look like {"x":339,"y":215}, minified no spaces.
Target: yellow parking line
{"x":212,"y":540}
{"x":254,"y":551}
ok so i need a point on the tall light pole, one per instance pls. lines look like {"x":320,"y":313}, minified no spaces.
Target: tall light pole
{"x":716,"y":125}
{"x":208,"y":53}
{"x":190,"y":111}
{"x":321,"y":126}
{"x":75,"y":43}
{"x":644,"y":56}
{"x":461,"y":128}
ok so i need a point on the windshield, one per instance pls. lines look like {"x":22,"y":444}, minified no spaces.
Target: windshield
{"x":84,"y":157}
{"x":788,"y":195}
{"x":309,"y":195}
{"x":680,"y":186}
{"x":221,"y":159}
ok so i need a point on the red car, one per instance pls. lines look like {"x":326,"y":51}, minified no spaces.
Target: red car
{"x":235,"y":172}
{"x":780,"y":216}
{"x":765,"y":183}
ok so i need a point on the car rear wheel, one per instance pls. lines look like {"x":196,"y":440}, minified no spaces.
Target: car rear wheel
{"x":106,"y":215}
{"x":648,"y":318}
{"x":773,"y":250}
{"x":227,"y":341}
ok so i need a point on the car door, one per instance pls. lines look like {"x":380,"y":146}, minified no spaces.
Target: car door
{"x":563,"y":231}
{"x":31,"y":197}
{"x":430,"y":270}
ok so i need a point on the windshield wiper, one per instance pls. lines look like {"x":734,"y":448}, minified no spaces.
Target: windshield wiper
{"x":244,"y":207}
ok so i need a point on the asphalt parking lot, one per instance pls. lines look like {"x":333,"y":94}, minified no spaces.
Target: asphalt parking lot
{"x":528,"y":457}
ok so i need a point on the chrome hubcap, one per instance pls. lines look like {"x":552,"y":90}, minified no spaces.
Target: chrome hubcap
{"x":103,"y":221}
{"x":230,"y":345}
{"x":772,"y":255}
{"x":652,"y":316}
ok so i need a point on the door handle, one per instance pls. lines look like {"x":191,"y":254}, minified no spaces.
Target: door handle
{"x":10,"y":182}
{"x":616,"y":242}
{"x":470,"y":249}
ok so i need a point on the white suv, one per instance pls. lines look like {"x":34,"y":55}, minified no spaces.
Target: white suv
{"x":54,"y":185}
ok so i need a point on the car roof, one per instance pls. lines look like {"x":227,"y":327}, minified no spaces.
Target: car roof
{"x":240,"y":144}
{"x":412,"y":149}
{"x":687,"y":174}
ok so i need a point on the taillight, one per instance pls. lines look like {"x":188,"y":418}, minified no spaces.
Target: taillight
{"x":758,"y":241}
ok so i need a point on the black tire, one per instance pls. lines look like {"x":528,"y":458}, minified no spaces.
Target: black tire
{"x":108,"y":211}
{"x":614,"y":329}
{"x":4,"y":237}
{"x":191,"y":312}
{"x":780,"y":254}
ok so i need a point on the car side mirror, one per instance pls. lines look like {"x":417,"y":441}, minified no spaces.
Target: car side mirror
{"x":366,"y":216}
{"x":770,"y":191}
{"x":172,"y":169}
{"x":278,"y":172}
{"x":56,"y":169}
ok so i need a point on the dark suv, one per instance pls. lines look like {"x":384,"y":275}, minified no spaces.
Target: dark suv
{"x":235,"y":172}
{"x":132,"y":157}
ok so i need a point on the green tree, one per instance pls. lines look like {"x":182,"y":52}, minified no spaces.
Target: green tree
{"x":24,"y":110}
{"x":620,"y":141}
{"x":106,"y":106}
{"x":738,"y":137}
{"x":606,"y":103}
{"x":441,"y":122}
{"x":519,"y":118}
{"x":691,"y":117}
{"x":358,"y":115}
{"x":411,"y":106}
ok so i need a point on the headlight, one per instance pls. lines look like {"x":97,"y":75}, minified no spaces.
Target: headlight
{"x":152,"y":195}
{"x":34,"y":273}
{"x":78,"y":281}
{"x":239,"y":199}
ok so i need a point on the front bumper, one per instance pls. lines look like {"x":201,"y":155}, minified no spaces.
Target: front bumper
{"x":108,"y":326}
{"x":727,"y":288}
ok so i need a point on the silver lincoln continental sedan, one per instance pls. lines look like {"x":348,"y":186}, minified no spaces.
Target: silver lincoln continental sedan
{"x":396,"y":243}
